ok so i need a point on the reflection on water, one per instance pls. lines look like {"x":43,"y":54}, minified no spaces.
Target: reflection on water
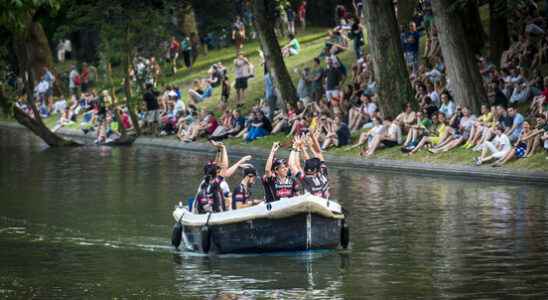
{"x":95,"y":222}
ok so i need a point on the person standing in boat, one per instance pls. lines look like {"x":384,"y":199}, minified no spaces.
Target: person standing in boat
{"x":314,"y":177}
{"x":277,"y":181}
{"x":213,"y":193}
{"x":241,"y":197}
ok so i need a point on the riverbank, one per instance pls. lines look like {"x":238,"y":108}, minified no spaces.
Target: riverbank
{"x":337,"y":160}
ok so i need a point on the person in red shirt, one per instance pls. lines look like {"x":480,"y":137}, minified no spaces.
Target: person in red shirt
{"x":84,"y":78}
{"x":302,"y":14}
{"x":174,"y":47}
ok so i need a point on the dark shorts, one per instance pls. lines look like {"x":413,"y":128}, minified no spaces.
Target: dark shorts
{"x":241,"y":83}
{"x":389,"y":143}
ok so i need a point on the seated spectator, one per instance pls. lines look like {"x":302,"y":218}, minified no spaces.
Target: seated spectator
{"x":200,"y":91}
{"x":59,"y":106}
{"x":224,"y":127}
{"x":338,"y":134}
{"x":461,"y":132}
{"x":497,"y":149}
{"x":422,"y":127}
{"x":259,"y":126}
{"x":520,"y":94}
{"x":514,"y":131}
{"x":284,"y":121}
{"x":407,"y":118}
{"x":292,"y":48}
{"x":483,"y":124}
{"x":522,"y":147}
{"x":377,"y":129}
{"x":448,"y":106}
{"x":88,"y":121}
{"x":441,"y":135}
{"x":391,"y":137}
{"x":64,"y":119}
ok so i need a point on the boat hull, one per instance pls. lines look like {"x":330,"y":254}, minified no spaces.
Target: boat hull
{"x":304,"y":231}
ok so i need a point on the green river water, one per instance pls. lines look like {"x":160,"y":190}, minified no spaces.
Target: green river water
{"x":95,"y":222}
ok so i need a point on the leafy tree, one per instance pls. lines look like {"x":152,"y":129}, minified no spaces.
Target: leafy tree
{"x":33,"y":53}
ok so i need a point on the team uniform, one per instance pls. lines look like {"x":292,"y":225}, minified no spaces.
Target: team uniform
{"x":276,"y":188}
{"x":241,"y":194}
{"x":210,"y":196}
{"x":316,"y":184}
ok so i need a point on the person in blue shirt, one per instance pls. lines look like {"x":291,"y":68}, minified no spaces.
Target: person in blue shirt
{"x":517,"y":124}
{"x":410,"y":43}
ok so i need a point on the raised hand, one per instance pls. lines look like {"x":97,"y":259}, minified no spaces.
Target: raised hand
{"x":245,"y":159}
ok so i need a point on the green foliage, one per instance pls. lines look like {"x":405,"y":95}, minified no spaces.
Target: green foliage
{"x":14,"y":12}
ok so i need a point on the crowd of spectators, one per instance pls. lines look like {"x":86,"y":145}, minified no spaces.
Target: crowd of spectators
{"x":338,"y":101}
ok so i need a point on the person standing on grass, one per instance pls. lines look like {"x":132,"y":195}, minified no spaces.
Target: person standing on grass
{"x":84,"y":76}
{"x":238,"y":34}
{"x":290,"y":20}
{"x":74,"y":80}
{"x":242,"y":65}
{"x":152,"y":115}
{"x":333,"y":79}
{"x":410,"y":42}
{"x":186,"y":48}
{"x":174,"y":47}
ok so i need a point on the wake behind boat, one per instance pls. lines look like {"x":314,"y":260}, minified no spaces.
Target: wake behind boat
{"x":304,"y":222}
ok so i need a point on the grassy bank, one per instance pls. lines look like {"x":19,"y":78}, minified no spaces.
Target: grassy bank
{"x":312,"y":42}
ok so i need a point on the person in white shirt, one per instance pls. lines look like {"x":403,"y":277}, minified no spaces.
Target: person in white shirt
{"x":68,"y":49}
{"x":498,"y":148}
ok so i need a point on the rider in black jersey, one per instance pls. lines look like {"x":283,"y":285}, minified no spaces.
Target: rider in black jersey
{"x":314,"y":176}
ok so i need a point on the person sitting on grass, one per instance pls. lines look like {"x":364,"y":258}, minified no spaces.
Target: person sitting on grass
{"x":200,"y":91}
{"x":437,"y":137}
{"x":292,"y":48}
{"x":368,"y":136}
{"x":64,"y":119}
{"x":392,"y":137}
{"x":460,"y":132}
{"x":338,"y":134}
{"x":482,"y":124}
{"x":259,"y":127}
{"x":422,"y":127}
{"x":283,"y":121}
{"x":496,"y":149}
{"x":407,"y":118}
{"x":514,"y":131}
{"x":522,"y":149}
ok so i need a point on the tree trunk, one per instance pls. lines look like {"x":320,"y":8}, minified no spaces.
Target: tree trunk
{"x":32,"y":55}
{"x":462,"y":68}
{"x":406,"y":9}
{"x":384,"y":43}
{"x":127,"y":90}
{"x":473,"y":27}
{"x":499,"y":39}
{"x":264,"y":20}
{"x":34,"y":40}
{"x":38,"y":128}
{"x":186,"y":17}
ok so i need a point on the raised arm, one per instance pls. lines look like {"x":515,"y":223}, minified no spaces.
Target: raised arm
{"x":294,"y":161}
{"x":270,"y":160}
{"x":315,"y":146}
{"x":230,"y":171}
